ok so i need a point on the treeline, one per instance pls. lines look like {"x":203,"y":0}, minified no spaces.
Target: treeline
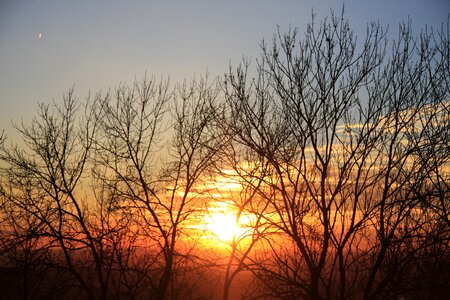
{"x":340,"y":147}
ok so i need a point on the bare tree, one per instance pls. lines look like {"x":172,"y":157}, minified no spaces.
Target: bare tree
{"x":41,"y":184}
{"x":160,"y":196}
{"x":350,"y":143}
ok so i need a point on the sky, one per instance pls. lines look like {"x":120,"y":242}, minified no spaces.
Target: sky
{"x":50,"y":46}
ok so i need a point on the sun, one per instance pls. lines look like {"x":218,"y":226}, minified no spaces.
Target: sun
{"x":223,"y":226}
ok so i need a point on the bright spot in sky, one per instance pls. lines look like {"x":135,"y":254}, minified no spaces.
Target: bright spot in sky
{"x":40,"y":35}
{"x":224,"y":226}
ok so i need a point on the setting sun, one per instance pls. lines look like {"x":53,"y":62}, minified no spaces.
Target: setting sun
{"x":223,"y":226}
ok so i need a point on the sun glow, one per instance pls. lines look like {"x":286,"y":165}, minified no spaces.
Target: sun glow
{"x":224,"y":226}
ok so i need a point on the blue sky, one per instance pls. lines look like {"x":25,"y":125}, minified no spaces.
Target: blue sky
{"x":94,"y":45}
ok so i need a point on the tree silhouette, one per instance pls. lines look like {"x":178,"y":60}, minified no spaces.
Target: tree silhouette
{"x":350,"y":142}
{"x":40,"y":189}
{"x":159,"y":201}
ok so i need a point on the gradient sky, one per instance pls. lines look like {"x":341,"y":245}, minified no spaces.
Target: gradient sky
{"x":95,"y":45}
